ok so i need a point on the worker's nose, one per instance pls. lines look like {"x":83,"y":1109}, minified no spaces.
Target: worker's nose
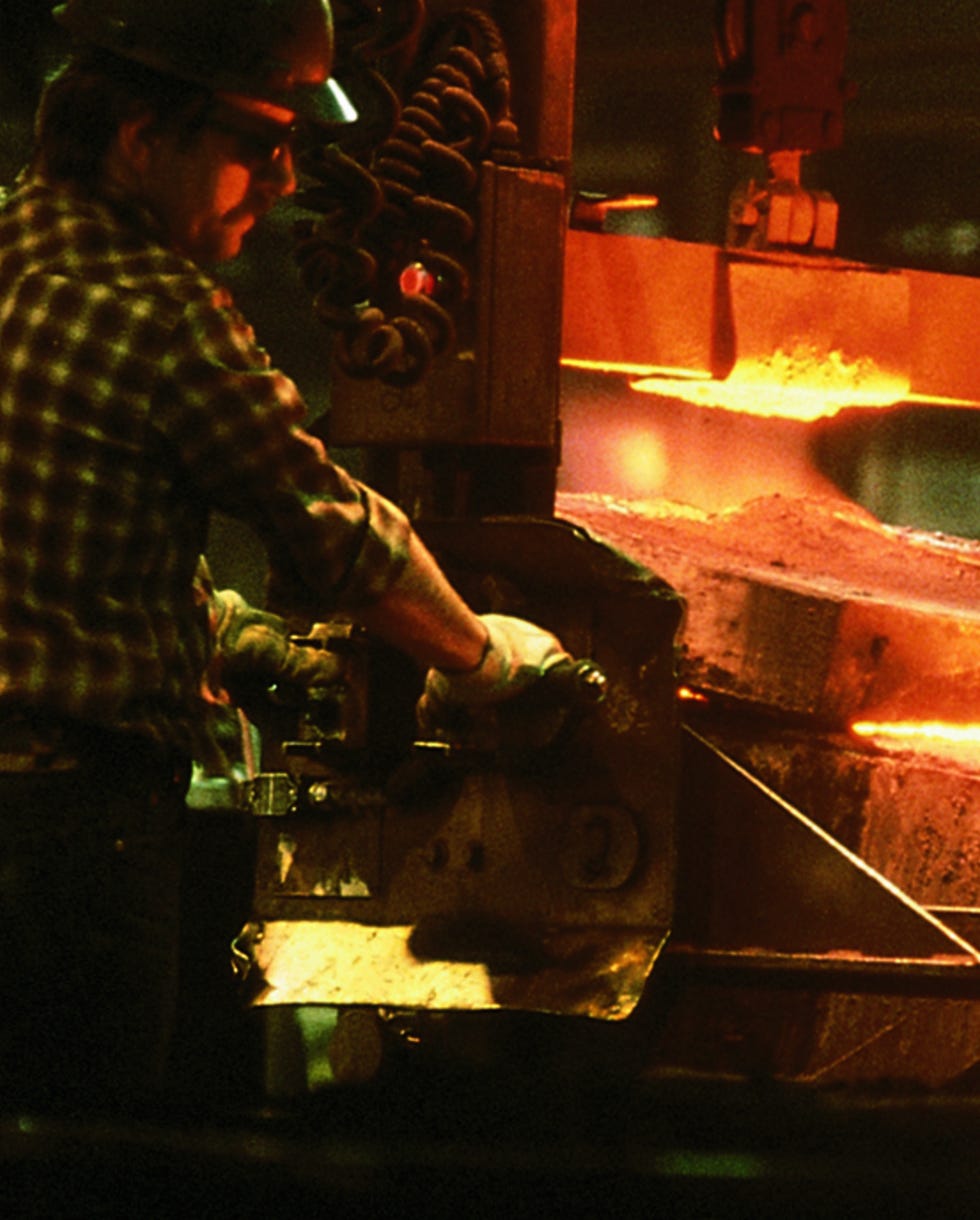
{"x":287,"y":167}
{"x":280,"y":170}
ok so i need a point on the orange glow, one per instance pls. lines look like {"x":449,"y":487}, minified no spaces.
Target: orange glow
{"x":919,"y":730}
{"x":641,"y":459}
{"x":628,"y":370}
{"x":684,"y":454}
{"x":629,"y":203}
{"x":797,"y":386}
{"x":802,"y":384}
{"x":591,"y":210}
{"x":609,"y":445}
{"x":949,"y":739}
{"x":687,"y":695}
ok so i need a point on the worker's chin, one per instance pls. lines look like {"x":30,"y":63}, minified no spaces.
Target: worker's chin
{"x":231,"y":247}
{"x":223,"y":242}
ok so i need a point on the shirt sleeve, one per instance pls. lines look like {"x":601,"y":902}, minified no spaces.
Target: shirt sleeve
{"x":233,"y":424}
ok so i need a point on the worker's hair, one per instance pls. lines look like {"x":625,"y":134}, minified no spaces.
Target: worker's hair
{"x":86,"y":101}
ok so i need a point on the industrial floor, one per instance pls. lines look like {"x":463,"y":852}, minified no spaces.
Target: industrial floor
{"x":479,"y":1144}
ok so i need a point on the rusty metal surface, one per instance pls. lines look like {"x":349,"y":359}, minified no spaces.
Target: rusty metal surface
{"x":620,"y":304}
{"x":540,"y":38}
{"x":806,"y":607}
{"x":795,"y":960}
{"x":755,"y":874}
{"x":807,"y":322}
{"x":816,"y":1034}
{"x":782,"y":82}
{"x":910,"y":815}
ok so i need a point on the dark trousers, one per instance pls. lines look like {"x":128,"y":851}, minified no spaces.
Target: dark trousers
{"x":89,"y":924}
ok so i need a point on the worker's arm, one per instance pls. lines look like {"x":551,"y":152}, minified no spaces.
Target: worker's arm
{"x":422,"y":615}
{"x":471,"y":659}
{"x":234,"y":422}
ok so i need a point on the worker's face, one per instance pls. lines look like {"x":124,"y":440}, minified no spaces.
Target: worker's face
{"x":209,"y":189}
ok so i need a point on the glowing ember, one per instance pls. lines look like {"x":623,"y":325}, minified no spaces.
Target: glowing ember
{"x":803,"y":385}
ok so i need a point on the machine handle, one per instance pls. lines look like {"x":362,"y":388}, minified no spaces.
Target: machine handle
{"x":581,"y":683}
{"x":516,"y":729}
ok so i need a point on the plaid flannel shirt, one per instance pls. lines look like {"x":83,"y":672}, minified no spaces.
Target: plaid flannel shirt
{"x":134,"y":399}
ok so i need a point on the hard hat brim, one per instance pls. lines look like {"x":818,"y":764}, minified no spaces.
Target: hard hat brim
{"x":327,"y":104}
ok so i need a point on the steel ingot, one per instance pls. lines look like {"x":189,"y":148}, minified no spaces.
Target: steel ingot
{"x":810,"y":609}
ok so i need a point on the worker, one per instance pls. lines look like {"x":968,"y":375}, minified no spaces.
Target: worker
{"x":133,"y":401}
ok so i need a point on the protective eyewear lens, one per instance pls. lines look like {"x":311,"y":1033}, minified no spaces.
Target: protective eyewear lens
{"x":257,"y":140}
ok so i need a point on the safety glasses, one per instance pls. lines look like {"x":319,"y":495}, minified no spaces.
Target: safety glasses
{"x":257,"y":139}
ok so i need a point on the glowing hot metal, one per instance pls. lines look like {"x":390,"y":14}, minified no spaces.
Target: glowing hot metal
{"x":928,"y":734}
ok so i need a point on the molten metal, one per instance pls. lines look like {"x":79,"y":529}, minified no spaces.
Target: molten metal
{"x":934,"y":736}
{"x":803,"y":384}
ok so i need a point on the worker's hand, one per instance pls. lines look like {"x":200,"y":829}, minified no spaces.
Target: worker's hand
{"x":255,"y":652}
{"x":517,"y":654}
{"x":305,"y":665}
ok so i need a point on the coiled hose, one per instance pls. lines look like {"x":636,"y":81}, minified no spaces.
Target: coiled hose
{"x":387,"y":258}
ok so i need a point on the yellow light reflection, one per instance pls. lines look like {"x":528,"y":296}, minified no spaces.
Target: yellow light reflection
{"x":629,"y":203}
{"x":641,"y":460}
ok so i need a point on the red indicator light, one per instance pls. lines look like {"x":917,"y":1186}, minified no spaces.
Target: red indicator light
{"x":417,"y":281}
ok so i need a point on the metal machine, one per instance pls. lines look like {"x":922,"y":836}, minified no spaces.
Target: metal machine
{"x":584,"y":848}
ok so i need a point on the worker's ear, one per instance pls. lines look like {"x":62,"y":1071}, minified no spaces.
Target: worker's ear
{"x":135,"y":141}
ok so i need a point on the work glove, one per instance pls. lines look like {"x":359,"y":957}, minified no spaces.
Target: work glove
{"x":254,"y":652}
{"x":517,"y":654}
